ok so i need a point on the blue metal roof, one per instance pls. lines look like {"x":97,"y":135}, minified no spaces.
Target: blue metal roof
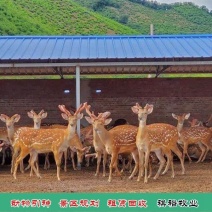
{"x":105,"y":47}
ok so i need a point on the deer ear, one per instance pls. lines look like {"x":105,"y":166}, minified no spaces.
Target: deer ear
{"x":174,"y":116}
{"x":106,"y":114}
{"x":30,"y":114}
{"x":134,"y":109}
{"x":16,"y":117}
{"x":89,"y":119}
{"x":64,"y":116}
{"x":44,"y":115}
{"x":187,"y":115}
{"x":107,"y":121}
{"x":149,"y":108}
{"x":3,"y":117}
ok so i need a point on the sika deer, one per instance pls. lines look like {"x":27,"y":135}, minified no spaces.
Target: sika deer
{"x":120,"y":139}
{"x":194,"y":135}
{"x":5,"y":143}
{"x":10,"y":121}
{"x":99,"y":146}
{"x":37,"y":118}
{"x":155,"y":137}
{"x":46,"y":140}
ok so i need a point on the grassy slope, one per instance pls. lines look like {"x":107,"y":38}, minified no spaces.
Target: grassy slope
{"x":181,"y":19}
{"x":54,"y":17}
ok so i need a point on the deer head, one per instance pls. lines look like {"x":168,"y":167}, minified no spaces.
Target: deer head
{"x":195,"y":122}
{"x":37,"y":117}
{"x":206,"y":124}
{"x":99,"y":121}
{"x":71,"y":118}
{"x":181,"y":118}
{"x":142,"y":112}
{"x":10,"y":121}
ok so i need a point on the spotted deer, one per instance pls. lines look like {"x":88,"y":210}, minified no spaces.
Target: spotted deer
{"x":37,"y":118}
{"x":99,"y":146}
{"x":75,"y":142}
{"x":34,"y":141}
{"x":195,"y":122}
{"x":120,"y":139}
{"x":10,"y":122}
{"x":159,"y":138}
{"x":5,"y":143}
{"x":194,"y":135}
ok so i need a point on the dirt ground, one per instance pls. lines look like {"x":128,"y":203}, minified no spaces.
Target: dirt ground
{"x":198,"y":178}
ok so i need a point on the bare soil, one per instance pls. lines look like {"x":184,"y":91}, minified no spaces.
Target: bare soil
{"x":198,"y":178}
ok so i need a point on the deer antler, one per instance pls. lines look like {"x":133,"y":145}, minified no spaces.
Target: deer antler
{"x":87,"y":109}
{"x":41,"y":112}
{"x":33,"y":112}
{"x":64,"y":110}
{"x":209,"y":119}
{"x":137,"y":105}
{"x":81,"y":107}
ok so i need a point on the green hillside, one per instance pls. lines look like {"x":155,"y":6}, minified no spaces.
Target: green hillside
{"x":54,"y":17}
{"x":176,"y":18}
{"x":100,"y":17}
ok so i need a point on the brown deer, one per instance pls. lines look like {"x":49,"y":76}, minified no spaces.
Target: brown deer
{"x":46,"y":140}
{"x":195,"y":122}
{"x":5,"y":143}
{"x":120,"y":139}
{"x":76,"y":141}
{"x":99,"y":146}
{"x":159,"y":138}
{"x":10,"y":122}
{"x":37,"y":118}
{"x":194,"y":135}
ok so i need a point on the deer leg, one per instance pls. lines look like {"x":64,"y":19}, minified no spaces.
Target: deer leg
{"x":204,"y":152}
{"x":141,"y":164}
{"x":150,"y":169}
{"x":176,"y":150}
{"x":72,"y":160}
{"x":47,"y":163}
{"x":169,"y":156}
{"x":136,"y":159}
{"x":87,"y":159}
{"x":99,"y":157}
{"x":3,"y":155}
{"x":22,"y":166}
{"x":162,"y":160}
{"x":14,"y":156}
{"x":146,"y":163}
{"x":104,"y":163}
{"x":33,"y":159}
{"x":65,"y":159}
{"x":36,"y":163}
{"x":112,"y":162}
{"x":28,"y":167}
{"x":115,"y":166}
{"x":58,"y":157}
{"x":185,"y":152}
{"x":20,"y":158}
{"x":129,"y":165}
{"x":207,"y":149}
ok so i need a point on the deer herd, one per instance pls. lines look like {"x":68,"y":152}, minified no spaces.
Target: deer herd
{"x":135,"y":143}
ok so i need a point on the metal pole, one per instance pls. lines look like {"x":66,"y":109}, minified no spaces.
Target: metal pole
{"x":78,"y":95}
{"x":151,"y":29}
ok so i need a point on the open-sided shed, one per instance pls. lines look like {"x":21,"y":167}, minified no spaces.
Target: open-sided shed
{"x":84,"y":55}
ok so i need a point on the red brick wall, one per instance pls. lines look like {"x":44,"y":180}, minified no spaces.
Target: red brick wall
{"x":118,"y":95}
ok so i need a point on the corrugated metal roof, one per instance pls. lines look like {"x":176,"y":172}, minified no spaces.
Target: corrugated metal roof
{"x":105,"y":47}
